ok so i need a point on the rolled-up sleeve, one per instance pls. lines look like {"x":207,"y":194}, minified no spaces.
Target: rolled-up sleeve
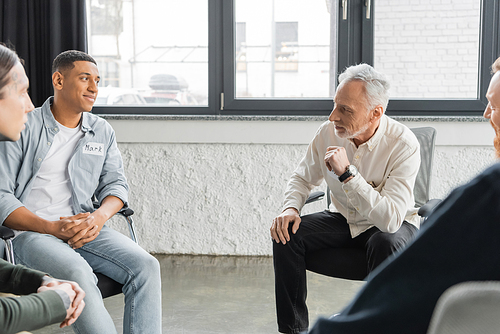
{"x":30,"y":312}
{"x":10,"y":163}
{"x":112,"y":181}
{"x":387,"y":208}
{"x":307,"y":175}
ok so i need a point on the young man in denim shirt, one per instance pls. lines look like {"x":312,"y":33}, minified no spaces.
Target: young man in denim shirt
{"x":47,"y":179}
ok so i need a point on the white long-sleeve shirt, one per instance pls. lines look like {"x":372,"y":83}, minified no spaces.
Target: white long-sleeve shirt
{"x":381,"y":194}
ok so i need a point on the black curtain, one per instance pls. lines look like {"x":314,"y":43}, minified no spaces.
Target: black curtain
{"x":39,"y":30}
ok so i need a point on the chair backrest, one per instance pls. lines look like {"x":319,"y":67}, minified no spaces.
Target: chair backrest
{"x":426,"y":137}
{"x":470,"y":307}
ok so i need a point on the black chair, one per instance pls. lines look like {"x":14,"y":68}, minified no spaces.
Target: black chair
{"x":351,"y":263}
{"x":106,"y":285}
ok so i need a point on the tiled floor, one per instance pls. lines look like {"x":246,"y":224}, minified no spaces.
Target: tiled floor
{"x":205,"y":294}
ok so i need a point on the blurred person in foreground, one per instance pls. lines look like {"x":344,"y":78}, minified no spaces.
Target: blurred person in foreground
{"x":47,"y":300}
{"x":460,"y":242}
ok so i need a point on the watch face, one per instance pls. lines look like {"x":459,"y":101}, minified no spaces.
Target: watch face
{"x":353,"y":170}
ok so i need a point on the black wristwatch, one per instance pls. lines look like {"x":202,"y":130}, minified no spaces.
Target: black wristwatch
{"x":350,"y":170}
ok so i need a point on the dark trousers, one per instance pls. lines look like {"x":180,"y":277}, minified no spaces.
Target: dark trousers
{"x":318,"y":231}
{"x":459,"y":242}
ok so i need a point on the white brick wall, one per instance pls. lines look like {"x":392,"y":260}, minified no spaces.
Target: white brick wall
{"x":428,"y":48}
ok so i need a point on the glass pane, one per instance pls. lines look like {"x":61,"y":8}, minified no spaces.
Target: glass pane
{"x":429,"y":48}
{"x":150,"y":52}
{"x":285,"y":48}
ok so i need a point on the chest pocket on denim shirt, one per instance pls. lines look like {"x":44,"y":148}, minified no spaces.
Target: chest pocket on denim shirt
{"x":92,"y":158}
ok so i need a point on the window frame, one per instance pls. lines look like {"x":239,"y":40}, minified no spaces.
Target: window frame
{"x":262,"y":106}
{"x":488,"y":53}
{"x":214,"y":31}
{"x":356,"y":33}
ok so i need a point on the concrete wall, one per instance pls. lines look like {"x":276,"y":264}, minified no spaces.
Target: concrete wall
{"x":213,"y":187}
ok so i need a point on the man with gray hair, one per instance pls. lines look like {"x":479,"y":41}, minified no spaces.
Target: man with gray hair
{"x":458,"y":244}
{"x":370,"y":163}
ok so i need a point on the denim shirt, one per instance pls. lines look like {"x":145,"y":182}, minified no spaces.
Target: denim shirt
{"x":96,"y":166}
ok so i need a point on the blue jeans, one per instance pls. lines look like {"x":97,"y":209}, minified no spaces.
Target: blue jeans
{"x":111,"y":254}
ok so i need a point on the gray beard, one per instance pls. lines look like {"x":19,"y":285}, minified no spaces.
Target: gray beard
{"x":347,"y":135}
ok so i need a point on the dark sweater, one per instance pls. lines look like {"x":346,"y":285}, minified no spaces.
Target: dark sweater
{"x":459,"y":242}
{"x":29,"y":312}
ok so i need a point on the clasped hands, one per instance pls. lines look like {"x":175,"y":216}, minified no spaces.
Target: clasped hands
{"x":336,"y":161}
{"x":77,"y":230}
{"x":75,"y":294}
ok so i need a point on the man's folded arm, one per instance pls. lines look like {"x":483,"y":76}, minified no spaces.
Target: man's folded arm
{"x":307,"y":175}
{"x":296,"y":193}
{"x":27,"y":312}
{"x":109,"y":206}
{"x":112,"y":181}
{"x":18,"y":279}
{"x":30,"y":312}
{"x":23,"y":219}
{"x":10,"y":163}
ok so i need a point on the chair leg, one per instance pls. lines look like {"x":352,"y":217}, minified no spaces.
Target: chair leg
{"x":131,"y":228}
{"x":9,"y":251}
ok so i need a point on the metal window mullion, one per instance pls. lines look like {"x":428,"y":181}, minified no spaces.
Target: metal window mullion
{"x":489,"y":47}
{"x":343,"y":39}
{"x":215,"y":53}
{"x":367,"y":33}
{"x":355,"y":39}
{"x":228,"y":21}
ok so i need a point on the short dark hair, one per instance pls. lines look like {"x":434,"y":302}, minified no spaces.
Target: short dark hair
{"x":64,"y":61}
{"x":8,"y":59}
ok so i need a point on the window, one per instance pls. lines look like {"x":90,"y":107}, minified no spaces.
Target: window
{"x":151,"y":52}
{"x":429,"y":50}
{"x":290,"y":57}
{"x":442,"y":50}
{"x":279,"y":64}
{"x":282,"y":57}
{"x":286,"y":47}
{"x":240,"y":46}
